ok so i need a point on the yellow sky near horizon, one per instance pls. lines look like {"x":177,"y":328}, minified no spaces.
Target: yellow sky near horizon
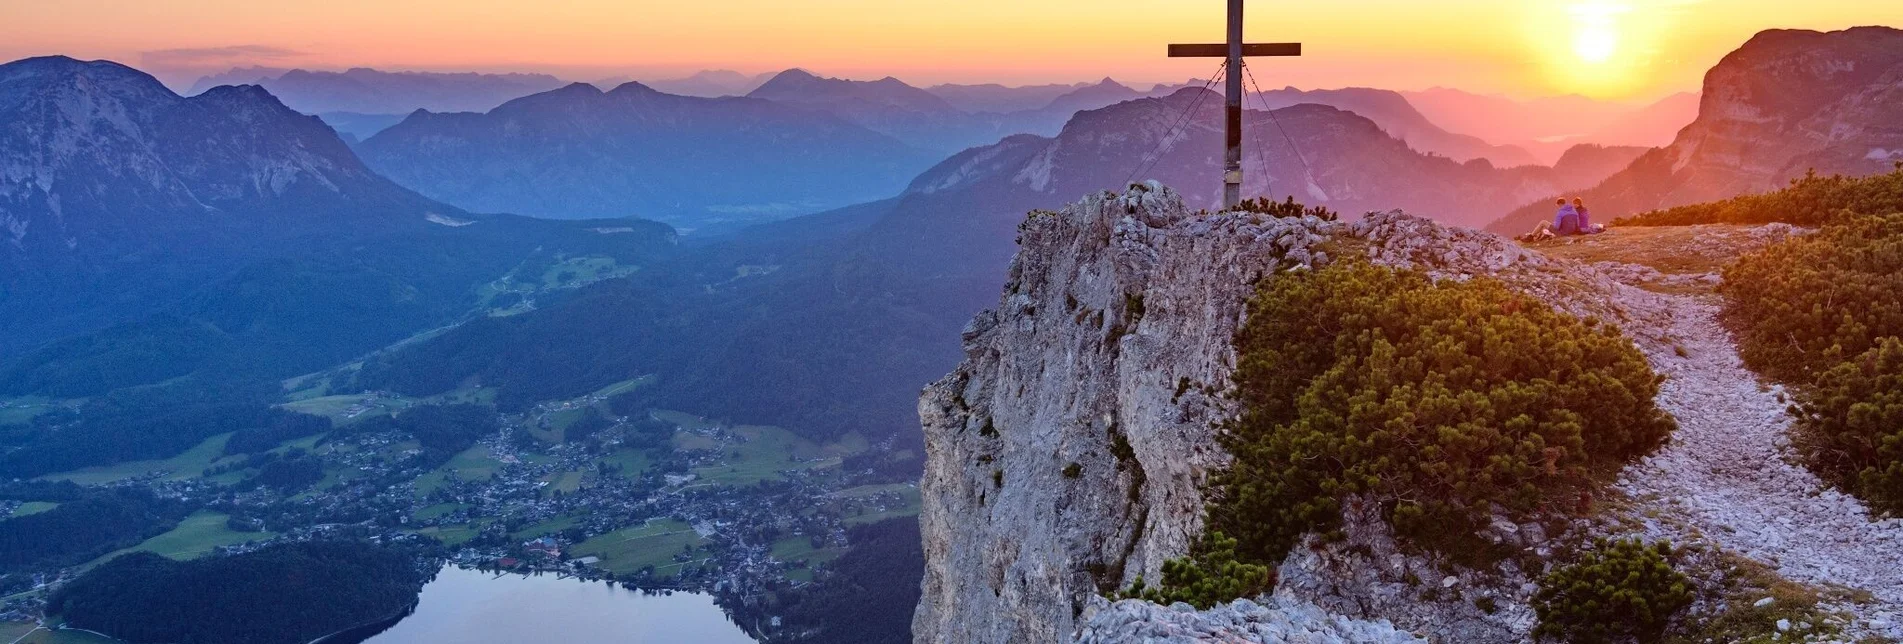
{"x":1616,"y":49}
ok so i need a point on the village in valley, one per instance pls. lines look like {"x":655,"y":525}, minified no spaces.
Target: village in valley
{"x":653,"y":500}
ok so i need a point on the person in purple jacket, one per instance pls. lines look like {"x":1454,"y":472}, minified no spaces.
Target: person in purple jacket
{"x":1585,"y":216}
{"x":1566,"y":221}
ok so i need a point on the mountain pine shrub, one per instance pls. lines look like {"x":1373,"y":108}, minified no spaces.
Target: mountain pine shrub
{"x":1287,"y":208}
{"x":1853,"y":424}
{"x":1211,"y":576}
{"x":1809,"y":201}
{"x":1437,"y":400}
{"x":1620,"y":591}
{"x":1805,"y":305}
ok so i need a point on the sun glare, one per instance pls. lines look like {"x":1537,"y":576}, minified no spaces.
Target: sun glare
{"x":1596,"y":30}
{"x":1600,"y":48}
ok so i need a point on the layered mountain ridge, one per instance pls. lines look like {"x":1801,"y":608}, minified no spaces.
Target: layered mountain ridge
{"x":580,"y":152}
{"x":121,"y":201}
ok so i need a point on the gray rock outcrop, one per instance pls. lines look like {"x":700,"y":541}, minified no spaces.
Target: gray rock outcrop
{"x":1067,"y":454}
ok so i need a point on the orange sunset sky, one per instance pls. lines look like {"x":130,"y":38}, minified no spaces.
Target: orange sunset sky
{"x":1616,"y":49}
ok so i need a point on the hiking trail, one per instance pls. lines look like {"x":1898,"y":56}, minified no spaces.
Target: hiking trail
{"x":1730,"y":478}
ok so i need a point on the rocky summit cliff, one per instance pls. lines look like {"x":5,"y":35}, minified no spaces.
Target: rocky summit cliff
{"x":1108,"y":351}
{"x":1067,"y":455}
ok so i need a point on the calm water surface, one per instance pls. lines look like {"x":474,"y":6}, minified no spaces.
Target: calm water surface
{"x":474,"y":607}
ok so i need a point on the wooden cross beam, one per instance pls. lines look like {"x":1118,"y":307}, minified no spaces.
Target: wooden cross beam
{"x":1234,"y":50}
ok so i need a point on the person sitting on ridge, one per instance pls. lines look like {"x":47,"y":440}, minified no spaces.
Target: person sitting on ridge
{"x":1566,"y":221}
{"x":1585,"y":217}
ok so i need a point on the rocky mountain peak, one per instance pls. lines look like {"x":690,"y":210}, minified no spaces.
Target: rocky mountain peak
{"x":1067,"y":454}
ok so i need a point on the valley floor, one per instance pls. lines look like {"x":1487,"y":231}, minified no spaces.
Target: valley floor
{"x":1730,"y":478}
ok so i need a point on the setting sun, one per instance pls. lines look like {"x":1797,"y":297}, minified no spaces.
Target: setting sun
{"x":1596,"y":32}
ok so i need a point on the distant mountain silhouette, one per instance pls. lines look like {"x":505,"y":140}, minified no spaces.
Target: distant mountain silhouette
{"x":369,"y":91}
{"x":1586,"y":164}
{"x":355,"y":127}
{"x":888,"y":106}
{"x":996,"y":98}
{"x":1397,"y":116}
{"x":709,"y":83}
{"x":1547,"y":127}
{"x":579,"y":152}
{"x":1787,"y":102}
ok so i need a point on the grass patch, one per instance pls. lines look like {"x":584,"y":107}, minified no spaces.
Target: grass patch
{"x":67,"y":637}
{"x":564,"y":481}
{"x":33,"y":507}
{"x":628,"y":550}
{"x":451,"y":536}
{"x":10,"y":631}
{"x":473,"y":464}
{"x":189,"y":464}
{"x":349,"y":408}
{"x":909,"y":508}
{"x":438,"y":510}
{"x":22,"y":410}
{"x":1744,"y":621}
{"x":546,"y":528}
{"x":622,"y":387}
{"x":765,"y":453}
{"x":578,"y":271}
{"x":632,"y":462}
{"x":196,"y":536}
{"x":800,"y":550}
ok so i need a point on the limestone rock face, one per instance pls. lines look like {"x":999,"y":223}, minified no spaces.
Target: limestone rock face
{"x":1789,"y":101}
{"x":1067,"y":454}
{"x":1275,"y":620}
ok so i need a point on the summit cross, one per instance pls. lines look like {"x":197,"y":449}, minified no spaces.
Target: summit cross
{"x":1234,"y":50}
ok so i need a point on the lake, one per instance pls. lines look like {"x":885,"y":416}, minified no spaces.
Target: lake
{"x":475,"y":607}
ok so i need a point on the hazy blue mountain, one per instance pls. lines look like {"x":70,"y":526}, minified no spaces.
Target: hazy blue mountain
{"x":149,"y":235}
{"x":888,"y":106}
{"x":370,"y":91}
{"x":1587,"y":164}
{"x":1397,"y":116}
{"x":993,"y":97}
{"x":356,"y":127}
{"x":580,"y":152}
{"x":1547,"y":127}
{"x":709,"y":83}
{"x":253,"y":75}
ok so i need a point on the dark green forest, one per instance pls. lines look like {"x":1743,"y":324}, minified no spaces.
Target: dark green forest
{"x":88,"y":523}
{"x":867,"y":595}
{"x":288,"y":593}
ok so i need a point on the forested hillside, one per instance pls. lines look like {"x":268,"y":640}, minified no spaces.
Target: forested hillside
{"x":282,"y":594}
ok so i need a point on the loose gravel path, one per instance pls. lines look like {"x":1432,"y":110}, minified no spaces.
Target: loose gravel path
{"x":1728,"y":476}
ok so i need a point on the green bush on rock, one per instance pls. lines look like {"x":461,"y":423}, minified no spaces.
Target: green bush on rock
{"x":1620,"y":591}
{"x":1853,"y":422}
{"x":1803,"y":306}
{"x":1437,"y":400}
{"x":1809,"y":201}
{"x":1210,"y":577}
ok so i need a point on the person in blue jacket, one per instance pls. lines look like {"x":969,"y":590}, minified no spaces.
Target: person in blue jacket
{"x":1566,"y":221}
